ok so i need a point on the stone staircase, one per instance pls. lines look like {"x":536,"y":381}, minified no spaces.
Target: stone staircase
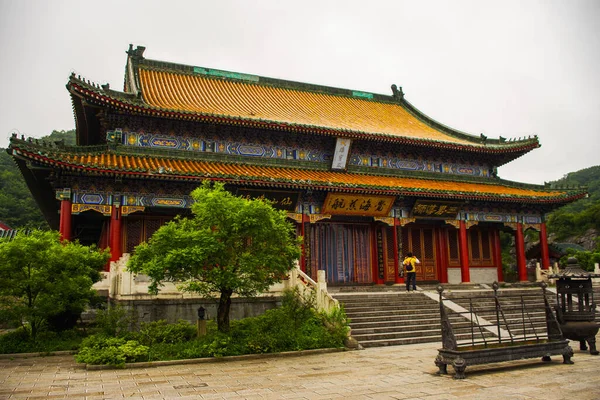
{"x":391,"y":319}
{"x":389,"y":316}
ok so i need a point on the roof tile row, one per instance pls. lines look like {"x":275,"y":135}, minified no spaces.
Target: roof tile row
{"x":200,"y":94}
{"x":195,"y":169}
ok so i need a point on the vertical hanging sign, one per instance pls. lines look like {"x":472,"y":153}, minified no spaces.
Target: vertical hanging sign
{"x":307,"y":254}
{"x":340,"y":156}
{"x":380,"y":260}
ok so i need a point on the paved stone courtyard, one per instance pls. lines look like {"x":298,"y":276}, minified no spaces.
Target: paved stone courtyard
{"x":395,"y":372}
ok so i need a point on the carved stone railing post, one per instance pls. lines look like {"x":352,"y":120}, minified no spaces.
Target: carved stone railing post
{"x":321,"y":291}
{"x":324,"y":301}
{"x":539,"y":276}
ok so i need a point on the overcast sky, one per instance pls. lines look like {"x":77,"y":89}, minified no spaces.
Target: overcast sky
{"x":502,"y":68}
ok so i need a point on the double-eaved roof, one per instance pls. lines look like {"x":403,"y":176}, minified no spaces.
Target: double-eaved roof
{"x":188,"y":93}
{"x":125,"y":163}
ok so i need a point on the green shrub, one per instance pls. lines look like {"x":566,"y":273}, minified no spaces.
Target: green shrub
{"x":585,"y":259}
{"x":20,"y":341}
{"x":296,"y":325}
{"x":163,"y":332}
{"x":337,"y":324}
{"x":17,"y":341}
{"x":115,"y":351}
{"x":114,"y":321}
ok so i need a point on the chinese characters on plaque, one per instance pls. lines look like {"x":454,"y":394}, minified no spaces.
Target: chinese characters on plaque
{"x":435,"y":209}
{"x":340,"y":156}
{"x":348,"y":204}
{"x":280,"y":200}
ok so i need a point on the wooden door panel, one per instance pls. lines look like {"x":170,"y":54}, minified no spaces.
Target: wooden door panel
{"x":389,"y":249}
{"x":421,"y":242}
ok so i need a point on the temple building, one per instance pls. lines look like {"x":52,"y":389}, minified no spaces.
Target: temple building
{"x":365,"y":177}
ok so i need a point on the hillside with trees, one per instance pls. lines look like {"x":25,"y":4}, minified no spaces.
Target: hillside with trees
{"x":578,"y":222}
{"x":17,"y":207}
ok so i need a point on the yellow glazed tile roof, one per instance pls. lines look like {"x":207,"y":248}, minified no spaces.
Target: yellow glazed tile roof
{"x":260,"y":102}
{"x":183,"y":169}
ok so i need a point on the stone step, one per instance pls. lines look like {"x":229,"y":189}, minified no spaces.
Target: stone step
{"x":433,"y":332}
{"x":391,"y":313}
{"x":395,"y":328}
{"x":412,"y":299}
{"x":391,"y":308}
{"x":360,"y":319}
{"x":417,"y":337}
{"x":501,"y":293}
{"x":377,"y":299}
{"x":388,"y":318}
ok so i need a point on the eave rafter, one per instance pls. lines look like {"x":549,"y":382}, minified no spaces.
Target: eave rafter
{"x":302,"y":179}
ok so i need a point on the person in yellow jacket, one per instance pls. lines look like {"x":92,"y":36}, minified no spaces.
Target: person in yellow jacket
{"x":410,"y":269}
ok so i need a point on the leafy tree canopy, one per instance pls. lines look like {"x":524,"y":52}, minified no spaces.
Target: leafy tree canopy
{"x":42,"y":279}
{"x":63,"y":137}
{"x":585,"y":259}
{"x":230,"y":245}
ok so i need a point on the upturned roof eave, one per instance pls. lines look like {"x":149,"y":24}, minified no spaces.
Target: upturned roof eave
{"x":364,"y":188}
{"x":141,"y":108}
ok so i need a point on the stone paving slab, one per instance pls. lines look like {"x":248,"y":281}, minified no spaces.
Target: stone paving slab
{"x":394,"y":372}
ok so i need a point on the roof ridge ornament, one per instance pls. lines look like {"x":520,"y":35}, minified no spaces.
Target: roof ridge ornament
{"x":397,"y":92}
{"x":137,"y":53}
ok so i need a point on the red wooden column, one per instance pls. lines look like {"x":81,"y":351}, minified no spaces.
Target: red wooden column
{"x":396,"y":259}
{"x":465,"y":275}
{"x":544,"y":246}
{"x":65,"y":219}
{"x":442,"y":255}
{"x":115,"y":237}
{"x":305,"y":244}
{"x":65,"y":225}
{"x":498,"y":255}
{"x":520,"y":248}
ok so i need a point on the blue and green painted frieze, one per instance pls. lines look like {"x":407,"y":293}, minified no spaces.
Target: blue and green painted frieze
{"x":298,"y":152}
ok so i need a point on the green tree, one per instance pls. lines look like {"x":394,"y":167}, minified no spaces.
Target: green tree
{"x":42,"y":278}
{"x":66,"y":138}
{"x":229,"y":245}
{"x":585,"y":259}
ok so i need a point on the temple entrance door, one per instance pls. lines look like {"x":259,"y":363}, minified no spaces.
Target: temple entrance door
{"x":343,"y":251}
{"x":386,"y":266}
{"x":421,"y":241}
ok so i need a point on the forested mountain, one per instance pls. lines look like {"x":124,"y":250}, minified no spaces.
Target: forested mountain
{"x":583,"y":216}
{"x":17,"y":207}
{"x":66,"y":137}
